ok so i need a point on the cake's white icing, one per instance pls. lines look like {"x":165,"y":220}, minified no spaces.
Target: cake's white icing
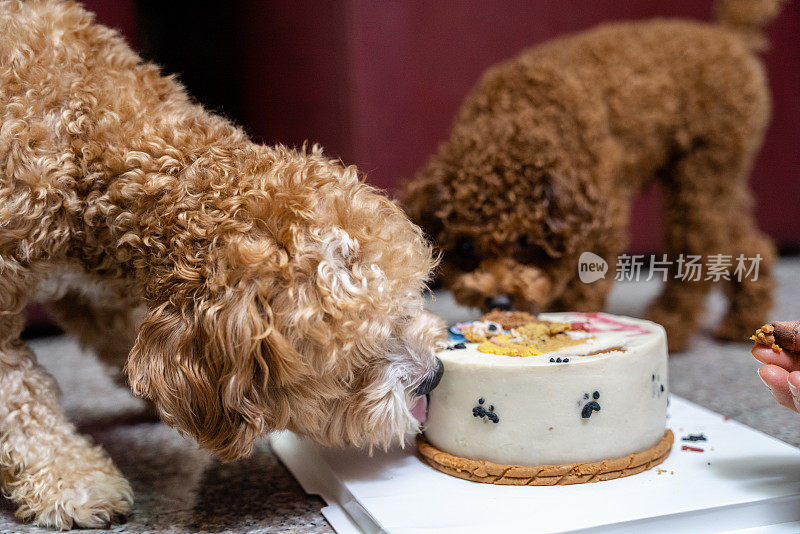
{"x":539,"y":406}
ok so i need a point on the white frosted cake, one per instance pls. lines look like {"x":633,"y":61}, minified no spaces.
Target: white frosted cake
{"x":568,"y":388}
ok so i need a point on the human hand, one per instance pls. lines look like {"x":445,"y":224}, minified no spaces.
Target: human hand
{"x":781,"y":374}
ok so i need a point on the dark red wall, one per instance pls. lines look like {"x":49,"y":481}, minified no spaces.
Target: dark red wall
{"x":117,"y":14}
{"x":378,"y":83}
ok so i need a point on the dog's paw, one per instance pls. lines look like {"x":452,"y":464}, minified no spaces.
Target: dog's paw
{"x":64,"y":497}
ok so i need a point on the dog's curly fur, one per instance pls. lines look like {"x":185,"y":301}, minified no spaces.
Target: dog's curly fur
{"x":279,"y":291}
{"x":549,"y":148}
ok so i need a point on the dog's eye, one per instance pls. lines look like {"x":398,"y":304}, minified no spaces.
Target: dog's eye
{"x":465,"y":254}
{"x":465,"y":245}
{"x":528,"y":251}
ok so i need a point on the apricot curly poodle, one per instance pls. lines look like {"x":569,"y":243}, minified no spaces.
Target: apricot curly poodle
{"x":259,"y":287}
{"x":549,"y":148}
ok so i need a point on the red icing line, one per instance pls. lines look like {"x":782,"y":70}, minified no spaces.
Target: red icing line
{"x":695,"y":449}
{"x":612,"y":325}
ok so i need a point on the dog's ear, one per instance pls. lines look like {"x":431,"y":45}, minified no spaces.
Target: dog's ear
{"x":207,"y":367}
{"x":571,"y":211}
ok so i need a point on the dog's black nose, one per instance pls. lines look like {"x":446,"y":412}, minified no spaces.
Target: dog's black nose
{"x":431,"y":381}
{"x":499,"y":302}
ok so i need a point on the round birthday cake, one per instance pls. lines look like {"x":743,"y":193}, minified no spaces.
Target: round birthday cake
{"x":557,"y":398}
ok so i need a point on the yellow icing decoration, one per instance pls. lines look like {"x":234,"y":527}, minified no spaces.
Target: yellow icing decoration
{"x":510,"y":349}
{"x":532,"y":339}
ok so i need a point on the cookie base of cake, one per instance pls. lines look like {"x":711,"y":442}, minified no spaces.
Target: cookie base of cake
{"x":545,"y":475}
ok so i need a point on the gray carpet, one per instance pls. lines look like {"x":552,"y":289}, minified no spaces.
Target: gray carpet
{"x":182,"y":489}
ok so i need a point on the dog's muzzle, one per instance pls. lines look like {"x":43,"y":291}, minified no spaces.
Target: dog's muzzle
{"x":431,"y":381}
{"x":498,"y":302}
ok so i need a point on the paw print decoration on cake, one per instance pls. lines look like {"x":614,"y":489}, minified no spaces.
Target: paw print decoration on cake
{"x":487,"y":414}
{"x":590,"y":404}
{"x":656,"y":386}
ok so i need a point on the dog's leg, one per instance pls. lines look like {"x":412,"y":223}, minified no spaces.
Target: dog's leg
{"x":582,"y":297}
{"x":694,"y":218}
{"x":608,"y":243}
{"x":707,"y":201}
{"x":57,"y":477}
{"x":704,"y":209}
{"x":106,"y":328}
{"x":591,"y":297}
{"x":678,"y":309}
{"x":750,"y":290}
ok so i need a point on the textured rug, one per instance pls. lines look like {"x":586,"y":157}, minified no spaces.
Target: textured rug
{"x":182,"y":489}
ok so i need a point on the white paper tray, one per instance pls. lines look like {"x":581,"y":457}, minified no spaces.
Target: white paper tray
{"x":744,"y":481}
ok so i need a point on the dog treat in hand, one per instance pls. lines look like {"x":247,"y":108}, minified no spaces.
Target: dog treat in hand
{"x":779,"y":335}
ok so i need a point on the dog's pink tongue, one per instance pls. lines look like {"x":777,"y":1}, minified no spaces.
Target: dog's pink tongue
{"x":420,"y":409}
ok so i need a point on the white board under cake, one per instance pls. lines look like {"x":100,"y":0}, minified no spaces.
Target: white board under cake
{"x":742,"y":479}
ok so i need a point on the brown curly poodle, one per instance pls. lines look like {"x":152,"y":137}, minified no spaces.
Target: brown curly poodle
{"x":549,"y":148}
{"x":256,"y":287}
